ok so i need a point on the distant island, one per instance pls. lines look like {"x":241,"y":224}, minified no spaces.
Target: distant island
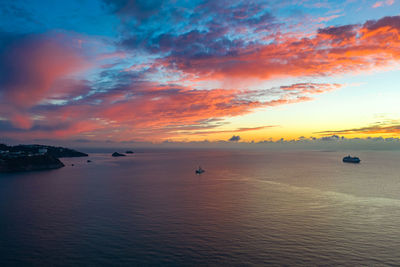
{"x":116,"y":154}
{"x":34,"y":157}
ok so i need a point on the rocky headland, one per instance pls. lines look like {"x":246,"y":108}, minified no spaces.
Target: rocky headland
{"x":116,"y":154}
{"x":34,"y":157}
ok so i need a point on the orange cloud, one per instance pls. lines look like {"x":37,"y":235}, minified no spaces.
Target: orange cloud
{"x":378,"y":128}
{"x":153,"y":112}
{"x":131,"y":107}
{"x":333,"y":50}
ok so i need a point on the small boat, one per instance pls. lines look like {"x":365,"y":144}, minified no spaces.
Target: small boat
{"x":349,"y":159}
{"x":199,"y":170}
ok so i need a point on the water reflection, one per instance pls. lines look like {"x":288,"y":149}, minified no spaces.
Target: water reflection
{"x":249,"y":207}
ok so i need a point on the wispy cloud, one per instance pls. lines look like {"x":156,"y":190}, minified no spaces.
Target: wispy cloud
{"x":392,"y":128}
{"x":237,"y":130}
{"x":383,"y":3}
{"x":160,"y":111}
{"x":171,"y":70}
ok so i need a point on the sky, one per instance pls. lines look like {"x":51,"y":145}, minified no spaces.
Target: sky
{"x":193,"y":71}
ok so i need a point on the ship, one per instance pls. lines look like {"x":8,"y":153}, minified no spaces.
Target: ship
{"x":199,"y":170}
{"x":350,"y":159}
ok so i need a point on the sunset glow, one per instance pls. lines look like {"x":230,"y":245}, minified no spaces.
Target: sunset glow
{"x":152,"y":71}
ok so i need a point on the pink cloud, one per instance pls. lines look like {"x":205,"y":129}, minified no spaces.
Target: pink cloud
{"x":22,"y":121}
{"x":333,"y":50}
{"x":35,"y":64}
{"x":31,"y":66}
{"x":132,"y":107}
{"x":383,"y":3}
{"x":390,"y":2}
{"x":328,"y":18}
{"x":159,"y":112}
{"x":377,"y":4}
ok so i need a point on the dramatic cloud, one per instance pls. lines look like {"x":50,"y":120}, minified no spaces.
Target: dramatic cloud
{"x":198,"y":29}
{"x":150,"y":111}
{"x":334,"y":50}
{"x":166,"y":70}
{"x":29,"y":67}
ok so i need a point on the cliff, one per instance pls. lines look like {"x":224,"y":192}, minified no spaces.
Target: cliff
{"x":29,"y":163}
{"x":34,"y":157}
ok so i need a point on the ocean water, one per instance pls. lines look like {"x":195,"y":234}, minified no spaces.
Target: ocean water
{"x":248,"y":208}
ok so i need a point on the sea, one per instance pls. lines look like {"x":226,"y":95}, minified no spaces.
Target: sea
{"x":249,"y":208}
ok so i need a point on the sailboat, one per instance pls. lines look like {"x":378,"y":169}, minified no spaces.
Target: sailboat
{"x":199,"y":170}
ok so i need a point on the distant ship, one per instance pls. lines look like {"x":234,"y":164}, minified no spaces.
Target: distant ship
{"x":199,"y":170}
{"x":351,"y":159}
